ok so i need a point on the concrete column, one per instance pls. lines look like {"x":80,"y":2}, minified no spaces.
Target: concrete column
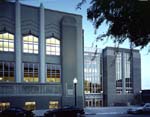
{"x":42,"y":45}
{"x":80,"y":67}
{"x":18,"y":44}
{"x":72,"y":60}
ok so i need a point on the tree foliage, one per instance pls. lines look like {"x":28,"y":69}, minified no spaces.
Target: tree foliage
{"x":127,"y":19}
{"x":1,"y":1}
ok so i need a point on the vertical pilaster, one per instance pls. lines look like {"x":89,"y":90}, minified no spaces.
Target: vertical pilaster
{"x":42,"y":45}
{"x":18,"y":43}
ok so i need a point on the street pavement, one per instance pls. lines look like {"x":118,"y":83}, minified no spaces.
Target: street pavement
{"x":116,"y":115}
{"x":94,"y":111}
{"x":110,"y":112}
{"x":106,"y":110}
{"x":101,"y":112}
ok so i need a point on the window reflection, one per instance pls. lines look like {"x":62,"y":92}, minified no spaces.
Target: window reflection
{"x":6,"y":42}
{"x":30,"y":44}
{"x":52,"y":46}
{"x":31,"y":72}
{"x":53,"y":73}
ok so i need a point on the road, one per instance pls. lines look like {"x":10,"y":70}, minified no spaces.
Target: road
{"x":110,"y":112}
{"x":116,"y":115}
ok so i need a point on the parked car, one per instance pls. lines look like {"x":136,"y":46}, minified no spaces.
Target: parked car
{"x":16,"y":112}
{"x":65,"y":112}
{"x":140,"y":110}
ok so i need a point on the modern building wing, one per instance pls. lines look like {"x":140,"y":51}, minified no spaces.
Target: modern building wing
{"x":93,"y":88}
{"x":41,"y":51}
{"x":112,"y":77}
{"x":121,"y":76}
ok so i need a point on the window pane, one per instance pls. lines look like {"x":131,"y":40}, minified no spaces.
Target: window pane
{"x":57,"y":42}
{"x":53,"y":41}
{"x":30,"y":44}
{"x":31,"y":72}
{"x":11,"y":45}
{"x":53,"y":73}
{"x":6,"y":42}
{"x":11,"y":36}
{"x":35,"y":39}
{"x":48,"y":41}
{"x":7,"y":72}
{"x":36,"y":47}
{"x":5,"y":36}
{"x":25,"y":39}
{"x":30,"y":38}
{"x":52,"y":46}
{"x":52,"y":49}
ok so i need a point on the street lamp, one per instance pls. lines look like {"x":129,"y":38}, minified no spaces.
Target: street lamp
{"x":75,"y":81}
{"x":102,"y":99}
{"x":140,"y":97}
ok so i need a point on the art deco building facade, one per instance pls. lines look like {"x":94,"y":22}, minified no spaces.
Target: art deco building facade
{"x":41,"y":51}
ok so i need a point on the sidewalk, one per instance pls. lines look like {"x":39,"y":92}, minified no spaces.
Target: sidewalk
{"x":106,"y":110}
{"x":39,"y":113}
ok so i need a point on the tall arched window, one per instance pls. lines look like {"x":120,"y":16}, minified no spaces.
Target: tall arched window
{"x":30,"y":44}
{"x":7,"y":42}
{"x":52,"y":46}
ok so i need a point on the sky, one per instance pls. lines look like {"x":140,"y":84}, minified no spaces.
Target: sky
{"x":89,"y":31}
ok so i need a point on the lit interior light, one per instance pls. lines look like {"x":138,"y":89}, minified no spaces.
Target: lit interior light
{"x":1,"y":78}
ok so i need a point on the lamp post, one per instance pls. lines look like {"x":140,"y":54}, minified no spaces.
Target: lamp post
{"x":140,"y":97}
{"x":102,"y":98}
{"x":75,"y":93}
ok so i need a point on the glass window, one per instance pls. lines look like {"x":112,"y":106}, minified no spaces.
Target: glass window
{"x":31,"y":72}
{"x":30,"y":44}
{"x":92,"y":79}
{"x":53,"y":104}
{"x":127,"y":72}
{"x":118,"y":64}
{"x":52,"y":46}
{"x":123,"y":62}
{"x":86,"y":86}
{"x":4,"y":105}
{"x":53,"y":73}
{"x":7,"y":42}
{"x":30,"y":105}
{"x":7,"y":71}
